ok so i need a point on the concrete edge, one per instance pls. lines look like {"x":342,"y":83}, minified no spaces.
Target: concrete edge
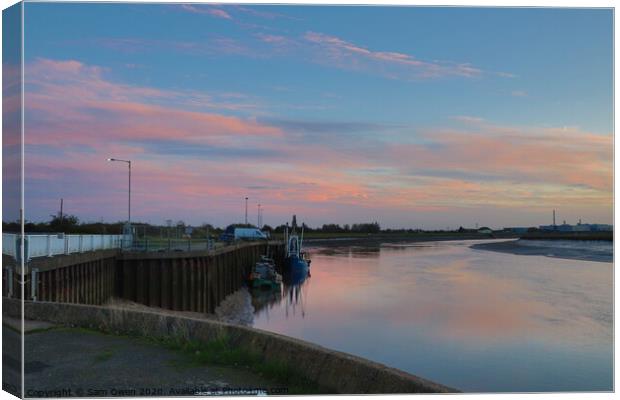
{"x":332,"y":370}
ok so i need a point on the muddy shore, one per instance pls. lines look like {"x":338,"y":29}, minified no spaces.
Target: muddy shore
{"x":376,"y":240}
{"x":549,"y":249}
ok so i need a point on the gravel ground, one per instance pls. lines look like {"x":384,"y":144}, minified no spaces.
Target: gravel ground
{"x":70,"y":362}
{"x":11,"y":361}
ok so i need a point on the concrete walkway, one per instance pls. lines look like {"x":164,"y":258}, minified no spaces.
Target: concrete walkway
{"x":71,"y":362}
{"x":29,"y":326}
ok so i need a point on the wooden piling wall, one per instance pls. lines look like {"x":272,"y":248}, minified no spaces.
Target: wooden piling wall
{"x":89,"y":282}
{"x":183,"y":281}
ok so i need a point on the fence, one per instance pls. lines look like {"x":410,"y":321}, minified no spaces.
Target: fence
{"x":51,"y":245}
{"x":171,"y":245}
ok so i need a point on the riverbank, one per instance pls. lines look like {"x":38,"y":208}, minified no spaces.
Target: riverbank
{"x":79,"y":362}
{"x":326,"y":370}
{"x":378,"y":239}
{"x":543,"y":235}
{"x":567,"y":249}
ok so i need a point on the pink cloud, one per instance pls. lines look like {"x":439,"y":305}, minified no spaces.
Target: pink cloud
{"x":259,"y":12}
{"x":349,"y":55}
{"x":77,"y":117}
{"x":543,"y":155}
{"x":215,"y":12}
{"x":73,"y":96}
{"x":273,"y":39}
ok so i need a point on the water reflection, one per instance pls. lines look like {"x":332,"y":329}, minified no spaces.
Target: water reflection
{"x":350,"y":251}
{"x":474,"y":320}
{"x":291,"y":295}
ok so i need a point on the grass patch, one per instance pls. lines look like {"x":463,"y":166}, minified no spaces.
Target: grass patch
{"x":218,"y":352}
{"x":221,"y":352}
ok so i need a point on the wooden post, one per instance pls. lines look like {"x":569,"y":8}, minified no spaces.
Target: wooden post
{"x":129,"y":292}
{"x":192,"y":284}
{"x":166,"y":283}
{"x":209,"y":286}
{"x":141,"y":282}
{"x":155,"y":284}
{"x":101,"y":280}
{"x":201,"y":286}
{"x":106,"y":282}
{"x":185,"y":283}
{"x":72,"y":296}
{"x":96,"y":276}
{"x":82,"y":279}
{"x":63,"y":285}
{"x":177,"y":302}
{"x":87,"y":280}
{"x":86,"y":283}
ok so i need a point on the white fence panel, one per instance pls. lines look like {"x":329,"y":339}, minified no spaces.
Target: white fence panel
{"x":87,"y":243}
{"x":57,"y":245}
{"x":73,"y":243}
{"x":9,"y":244}
{"x":37,"y":245}
{"x":50,"y":245}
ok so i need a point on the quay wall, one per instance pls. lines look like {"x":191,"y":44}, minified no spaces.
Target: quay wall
{"x":176,"y":280}
{"x":189,"y":281}
{"x":333,"y":371}
{"x":86,"y":278}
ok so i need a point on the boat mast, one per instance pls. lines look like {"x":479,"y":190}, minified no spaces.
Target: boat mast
{"x":286,"y":240}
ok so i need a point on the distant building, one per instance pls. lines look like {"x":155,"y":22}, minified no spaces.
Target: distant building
{"x":601,"y":227}
{"x":565,"y":228}
{"x":577,"y":228}
{"x":517,"y":229}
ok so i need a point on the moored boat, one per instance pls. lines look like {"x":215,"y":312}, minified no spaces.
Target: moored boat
{"x":296,"y":260}
{"x":264,"y":275}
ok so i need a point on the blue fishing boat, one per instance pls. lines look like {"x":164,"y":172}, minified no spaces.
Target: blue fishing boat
{"x":296,"y":261}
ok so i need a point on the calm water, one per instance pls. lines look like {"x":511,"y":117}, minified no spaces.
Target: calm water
{"x":471,"y":319}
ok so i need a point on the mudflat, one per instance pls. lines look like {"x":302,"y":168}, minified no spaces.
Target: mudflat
{"x":572,"y":250}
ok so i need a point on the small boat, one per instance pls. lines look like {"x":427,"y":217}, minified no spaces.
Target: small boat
{"x":264,"y":275}
{"x":296,"y":260}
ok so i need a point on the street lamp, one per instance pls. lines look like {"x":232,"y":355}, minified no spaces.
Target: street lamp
{"x":246,"y":210}
{"x":258,"y":216}
{"x":129,"y":203}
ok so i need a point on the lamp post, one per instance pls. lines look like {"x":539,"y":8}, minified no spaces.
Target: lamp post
{"x":258,"y":217}
{"x":129,"y":202}
{"x":246,"y":210}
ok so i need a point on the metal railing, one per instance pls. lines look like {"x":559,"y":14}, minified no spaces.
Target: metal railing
{"x":171,"y":245}
{"x":50,"y":245}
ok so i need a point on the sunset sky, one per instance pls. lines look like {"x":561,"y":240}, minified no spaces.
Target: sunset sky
{"x":412,"y":117}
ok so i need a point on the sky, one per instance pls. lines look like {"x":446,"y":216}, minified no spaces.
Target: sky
{"x":414,"y":117}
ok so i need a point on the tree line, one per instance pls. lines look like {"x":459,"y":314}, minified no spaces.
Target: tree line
{"x":71,"y":224}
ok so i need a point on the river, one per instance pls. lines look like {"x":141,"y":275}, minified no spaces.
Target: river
{"x":475,"y":320}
